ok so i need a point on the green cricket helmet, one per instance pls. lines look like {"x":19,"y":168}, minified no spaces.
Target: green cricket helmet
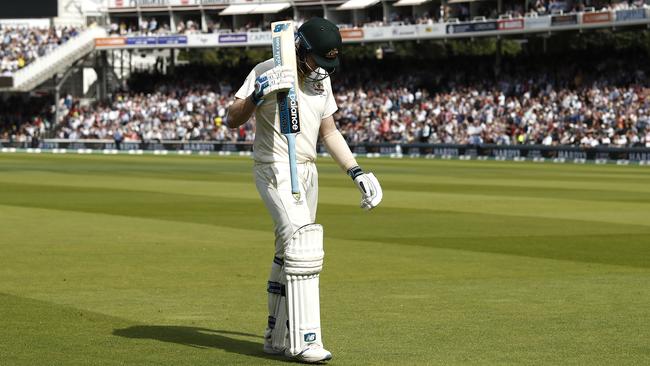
{"x":321,"y":39}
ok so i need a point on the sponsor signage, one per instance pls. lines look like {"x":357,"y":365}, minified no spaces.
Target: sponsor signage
{"x":459,"y":28}
{"x":560,"y":20}
{"x":472,"y":27}
{"x":172,"y":40}
{"x":110,"y":41}
{"x":630,"y":14}
{"x":485,"y":26}
{"x":404,"y":31}
{"x":233,"y":38}
{"x":134,"y":42}
{"x":121,"y":3}
{"x":351,"y":33}
{"x":145,"y":3}
{"x":141,"y":40}
{"x":203,"y":40}
{"x":511,"y":24}
{"x":568,"y":154}
{"x":377,"y":32}
{"x":184,"y":2}
{"x":430,"y":30}
{"x":600,"y":17}
{"x":537,"y":23}
{"x":259,"y":37}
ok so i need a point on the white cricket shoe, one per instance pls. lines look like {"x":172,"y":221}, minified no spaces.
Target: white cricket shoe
{"x":314,"y":353}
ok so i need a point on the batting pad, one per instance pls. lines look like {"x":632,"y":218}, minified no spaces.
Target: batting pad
{"x":303,"y":261}
{"x":276,"y":330}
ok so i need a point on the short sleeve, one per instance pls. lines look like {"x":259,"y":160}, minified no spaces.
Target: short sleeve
{"x":248,"y":87}
{"x":330,"y":104}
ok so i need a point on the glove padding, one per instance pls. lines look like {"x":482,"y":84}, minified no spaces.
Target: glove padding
{"x":279,"y":78}
{"x":371,"y":193}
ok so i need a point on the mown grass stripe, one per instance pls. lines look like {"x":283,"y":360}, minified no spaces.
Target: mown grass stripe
{"x":243,"y":186}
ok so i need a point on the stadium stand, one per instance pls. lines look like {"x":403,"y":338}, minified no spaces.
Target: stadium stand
{"x":547,"y":102}
{"x":22,"y":45}
{"x":579,"y":100}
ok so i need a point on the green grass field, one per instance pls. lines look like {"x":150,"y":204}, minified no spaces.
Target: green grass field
{"x":151,"y":260}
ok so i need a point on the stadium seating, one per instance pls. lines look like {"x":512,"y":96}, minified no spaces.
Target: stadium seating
{"x":21,"y":45}
{"x":526,"y":109}
{"x":57,"y":60}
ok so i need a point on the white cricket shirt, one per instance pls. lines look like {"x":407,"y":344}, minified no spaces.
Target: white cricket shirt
{"x":315,"y":102}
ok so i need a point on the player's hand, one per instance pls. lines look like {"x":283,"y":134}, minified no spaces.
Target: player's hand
{"x":279,"y":78}
{"x":371,"y":193}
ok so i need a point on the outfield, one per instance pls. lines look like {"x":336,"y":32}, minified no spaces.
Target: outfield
{"x":152,"y":260}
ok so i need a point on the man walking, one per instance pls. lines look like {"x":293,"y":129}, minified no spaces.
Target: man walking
{"x":294,"y":311}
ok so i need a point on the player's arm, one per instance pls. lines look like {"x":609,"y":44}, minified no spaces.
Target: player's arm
{"x":371,"y":192}
{"x":277,"y":79}
{"x":239,"y":112}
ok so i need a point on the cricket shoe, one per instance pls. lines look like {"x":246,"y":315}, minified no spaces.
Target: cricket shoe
{"x":314,"y":353}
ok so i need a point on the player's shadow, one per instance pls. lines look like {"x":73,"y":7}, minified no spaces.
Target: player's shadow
{"x":198,"y":338}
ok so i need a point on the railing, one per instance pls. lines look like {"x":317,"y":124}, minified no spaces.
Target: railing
{"x":575,"y":154}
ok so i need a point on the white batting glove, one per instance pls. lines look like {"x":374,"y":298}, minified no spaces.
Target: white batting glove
{"x":371,"y":193}
{"x":279,"y":78}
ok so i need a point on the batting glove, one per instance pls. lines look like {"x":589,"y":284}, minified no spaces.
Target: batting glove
{"x":279,"y":78}
{"x":371,"y":193}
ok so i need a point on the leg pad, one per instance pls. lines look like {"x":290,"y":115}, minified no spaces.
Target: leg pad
{"x":303,"y":263}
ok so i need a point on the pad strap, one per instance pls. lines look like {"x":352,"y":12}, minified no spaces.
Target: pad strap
{"x":276,"y":288}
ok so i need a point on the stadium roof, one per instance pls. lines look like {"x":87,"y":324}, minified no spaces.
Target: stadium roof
{"x":271,"y":8}
{"x":267,"y":8}
{"x":410,"y":2}
{"x":357,"y":4}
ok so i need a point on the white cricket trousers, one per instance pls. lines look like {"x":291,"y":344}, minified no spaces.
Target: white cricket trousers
{"x":273,"y":182}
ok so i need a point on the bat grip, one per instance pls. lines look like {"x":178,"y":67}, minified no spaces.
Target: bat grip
{"x":293,"y":168}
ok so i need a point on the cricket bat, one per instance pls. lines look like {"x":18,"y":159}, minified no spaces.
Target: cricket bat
{"x":284,"y":53}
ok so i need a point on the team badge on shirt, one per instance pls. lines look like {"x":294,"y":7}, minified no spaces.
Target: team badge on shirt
{"x":318,"y":87}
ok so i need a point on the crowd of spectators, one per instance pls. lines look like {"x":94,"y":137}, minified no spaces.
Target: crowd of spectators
{"x":606,"y":103}
{"x":23,"y":44}
{"x":168,"y":113}
{"x":153,"y":27}
{"x":538,"y":113}
{"x":191,"y":105}
{"x":24,"y":119}
{"x":544,"y":7}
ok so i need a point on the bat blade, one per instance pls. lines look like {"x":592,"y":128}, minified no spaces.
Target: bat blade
{"x":284,"y":54}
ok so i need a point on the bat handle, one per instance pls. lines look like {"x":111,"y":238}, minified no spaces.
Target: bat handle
{"x":293,"y":168}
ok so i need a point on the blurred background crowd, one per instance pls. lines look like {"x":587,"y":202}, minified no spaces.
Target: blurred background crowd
{"x":600,"y":100}
{"x":22,"y":45}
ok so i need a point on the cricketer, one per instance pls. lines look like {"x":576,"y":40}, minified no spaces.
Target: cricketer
{"x":293,"y":292}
